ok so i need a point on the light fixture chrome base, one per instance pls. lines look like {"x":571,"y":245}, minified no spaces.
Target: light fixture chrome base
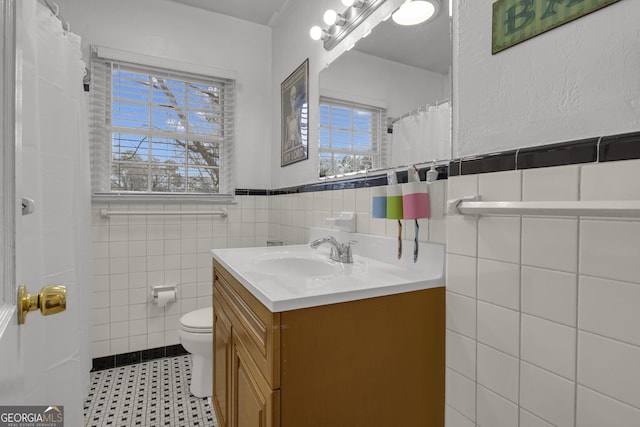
{"x":354,"y":16}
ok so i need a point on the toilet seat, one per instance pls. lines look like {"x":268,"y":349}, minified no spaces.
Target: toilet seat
{"x":198,"y":321}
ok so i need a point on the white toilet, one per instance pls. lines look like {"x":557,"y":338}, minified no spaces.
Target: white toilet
{"x":196,"y":336}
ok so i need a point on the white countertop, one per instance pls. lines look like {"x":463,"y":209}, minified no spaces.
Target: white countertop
{"x":292,"y":277}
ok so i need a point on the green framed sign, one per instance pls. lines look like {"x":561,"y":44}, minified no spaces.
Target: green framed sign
{"x":515,"y":21}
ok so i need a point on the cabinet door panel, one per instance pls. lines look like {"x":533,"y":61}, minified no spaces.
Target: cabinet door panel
{"x":254,"y":401}
{"x":256,"y":326}
{"x":251,"y":404}
{"x":221,"y":365}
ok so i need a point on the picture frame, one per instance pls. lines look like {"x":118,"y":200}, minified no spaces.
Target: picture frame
{"x":294,"y":101}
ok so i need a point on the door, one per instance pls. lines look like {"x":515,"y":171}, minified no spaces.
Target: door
{"x":46,"y":360}
{"x":11,"y":369}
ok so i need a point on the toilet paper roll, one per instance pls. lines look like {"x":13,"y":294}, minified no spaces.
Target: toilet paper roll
{"x":165,"y":297}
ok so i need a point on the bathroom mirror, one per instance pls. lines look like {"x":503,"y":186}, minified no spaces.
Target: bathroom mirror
{"x":402,"y":70}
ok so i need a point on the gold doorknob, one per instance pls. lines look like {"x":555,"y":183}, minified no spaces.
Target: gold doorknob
{"x":50,"y":300}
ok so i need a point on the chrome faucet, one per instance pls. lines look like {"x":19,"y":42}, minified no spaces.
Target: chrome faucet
{"x":340,"y":252}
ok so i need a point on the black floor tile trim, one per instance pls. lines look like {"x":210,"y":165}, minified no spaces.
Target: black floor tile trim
{"x":125,"y":359}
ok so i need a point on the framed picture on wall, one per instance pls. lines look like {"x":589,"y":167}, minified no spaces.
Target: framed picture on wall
{"x":294,"y":92}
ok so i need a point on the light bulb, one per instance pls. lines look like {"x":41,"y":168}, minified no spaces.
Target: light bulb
{"x":330,"y":17}
{"x":316,"y":33}
{"x":415,"y":12}
{"x":348,"y":3}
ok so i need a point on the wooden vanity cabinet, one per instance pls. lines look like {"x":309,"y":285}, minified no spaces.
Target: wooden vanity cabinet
{"x":372,"y":362}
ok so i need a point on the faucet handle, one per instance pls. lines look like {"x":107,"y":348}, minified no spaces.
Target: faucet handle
{"x":347,"y":253}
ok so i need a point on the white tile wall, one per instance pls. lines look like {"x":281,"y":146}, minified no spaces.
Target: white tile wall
{"x":499,"y":186}
{"x":610,"y":367}
{"x":133,"y":253}
{"x":461,"y":354}
{"x":596,"y":410}
{"x":546,"y":184}
{"x":498,"y":372}
{"x":454,"y":418}
{"x":462,"y":232}
{"x":549,"y":294}
{"x":461,"y":314}
{"x":527,"y":419}
{"x":610,"y":308}
{"x":462,"y":235}
{"x":499,"y":238}
{"x":556,"y":304}
{"x":461,"y":274}
{"x":547,"y":395}
{"x":549,"y":345}
{"x":550,"y":243}
{"x":610,"y":249}
{"x":494,"y":410}
{"x":611,"y":181}
{"x":461,"y":394}
{"x":499,"y":327}
{"x":499,"y":283}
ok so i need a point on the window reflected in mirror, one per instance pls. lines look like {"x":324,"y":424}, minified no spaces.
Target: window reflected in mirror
{"x":352,"y":137}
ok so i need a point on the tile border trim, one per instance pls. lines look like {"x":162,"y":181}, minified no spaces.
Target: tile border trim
{"x":380,"y":178}
{"x":589,"y":150}
{"x":131,"y":358}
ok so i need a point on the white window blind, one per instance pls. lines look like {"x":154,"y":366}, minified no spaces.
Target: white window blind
{"x":155,"y":131}
{"x":352,"y":137}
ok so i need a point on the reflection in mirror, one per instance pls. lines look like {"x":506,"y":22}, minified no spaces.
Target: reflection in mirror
{"x":398,"y":78}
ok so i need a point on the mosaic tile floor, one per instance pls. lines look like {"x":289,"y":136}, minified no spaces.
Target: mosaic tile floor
{"x":153,"y":393}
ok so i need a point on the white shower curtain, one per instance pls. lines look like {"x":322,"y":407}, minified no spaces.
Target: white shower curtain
{"x":56,"y":238}
{"x":422,"y":137}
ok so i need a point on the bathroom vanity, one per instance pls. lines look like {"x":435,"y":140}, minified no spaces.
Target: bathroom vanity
{"x":315,"y":356}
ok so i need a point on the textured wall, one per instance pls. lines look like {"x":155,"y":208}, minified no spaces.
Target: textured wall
{"x":575,"y":81}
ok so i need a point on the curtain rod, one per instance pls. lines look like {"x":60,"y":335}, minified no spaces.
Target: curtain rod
{"x":416,"y":111}
{"x":55,"y":9}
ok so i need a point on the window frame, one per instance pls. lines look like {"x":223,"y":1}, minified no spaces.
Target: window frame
{"x":379,"y":143}
{"x":103,"y":130}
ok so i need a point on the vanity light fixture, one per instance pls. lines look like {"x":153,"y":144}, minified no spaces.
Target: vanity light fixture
{"x":416,"y":12}
{"x":318,"y":33}
{"x":341,"y":24}
{"x":331,"y":17}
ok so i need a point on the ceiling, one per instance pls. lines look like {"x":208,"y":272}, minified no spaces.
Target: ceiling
{"x":426,"y":46}
{"x":257,"y":11}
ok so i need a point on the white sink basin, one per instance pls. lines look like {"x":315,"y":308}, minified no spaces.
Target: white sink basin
{"x":292,"y":277}
{"x":297,"y":266}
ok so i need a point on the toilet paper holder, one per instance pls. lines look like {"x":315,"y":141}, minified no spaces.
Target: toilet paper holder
{"x":155,"y":290}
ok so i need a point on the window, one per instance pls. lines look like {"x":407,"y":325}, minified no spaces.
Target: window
{"x":352,"y":137}
{"x":158,"y":131}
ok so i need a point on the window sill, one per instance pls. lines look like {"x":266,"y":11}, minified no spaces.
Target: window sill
{"x":167,"y":198}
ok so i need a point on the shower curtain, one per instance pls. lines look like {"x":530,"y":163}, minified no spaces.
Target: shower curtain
{"x":422,"y":137}
{"x":56,"y":237}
